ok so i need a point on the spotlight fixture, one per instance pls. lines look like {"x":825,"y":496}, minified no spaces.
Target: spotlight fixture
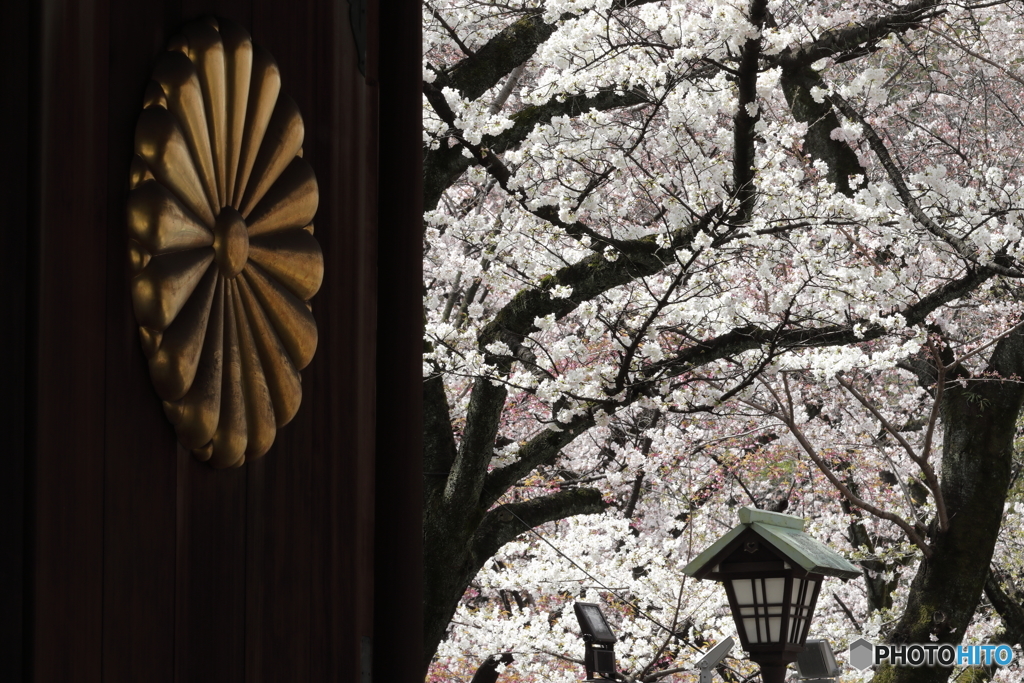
{"x":817,"y":664}
{"x":599,"y":659}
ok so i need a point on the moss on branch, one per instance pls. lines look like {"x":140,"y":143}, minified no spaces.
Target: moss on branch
{"x":475,"y":75}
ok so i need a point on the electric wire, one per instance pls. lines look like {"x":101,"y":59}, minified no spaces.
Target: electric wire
{"x":593,"y":578}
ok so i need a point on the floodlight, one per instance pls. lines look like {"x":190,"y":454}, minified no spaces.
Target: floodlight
{"x":593,"y":624}
{"x":817,"y":664}
{"x":598,"y":638}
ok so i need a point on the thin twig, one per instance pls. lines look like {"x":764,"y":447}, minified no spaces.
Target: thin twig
{"x":451,"y":32}
{"x":966,"y":250}
{"x":562,"y":657}
{"x":849,"y":614}
{"x":922,"y":460}
{"x":959,"y":361}
{"x":668,"y":638}
{"x":790,"y":422}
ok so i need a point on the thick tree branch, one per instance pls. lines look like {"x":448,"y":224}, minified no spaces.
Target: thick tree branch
{"x":443,"y":166}
{"x":488,"y":671}
{"x":747,"y":115}
{"x":821,"y":120}
{"x":540,"y":450}
{"x":589,"y":277}
{"x":634,"y":494}
{"x":838,"y":41}
{"x":1010,"y":611}
{"x":516,"y":43}
{"x":512,"y":46}
{"x":505,"y":523}
{"x":506,"y":90}
{"x":438,"y":441}
{"x":483,"y":417}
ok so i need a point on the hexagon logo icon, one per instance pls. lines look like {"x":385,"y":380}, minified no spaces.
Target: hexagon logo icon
{"x":862,"y":654}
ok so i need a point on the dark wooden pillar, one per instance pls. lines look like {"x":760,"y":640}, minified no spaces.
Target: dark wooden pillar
{"x":73,"y":219}
{"x":399,"y":544}
{"x":17,"y":268}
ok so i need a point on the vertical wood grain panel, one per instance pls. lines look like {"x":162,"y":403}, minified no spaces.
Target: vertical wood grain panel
{"x":18,"y":41}
{"x":328,"y":449}
{"x":347,"y":135}
{"x":278,"y":543}
{"x":72,"y":211}
{"x":140,"y":476}
{"x":211,"y":573}
{"x":398,"y":571}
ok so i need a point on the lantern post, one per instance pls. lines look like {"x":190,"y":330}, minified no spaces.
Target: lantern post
{"x":772,"y":573}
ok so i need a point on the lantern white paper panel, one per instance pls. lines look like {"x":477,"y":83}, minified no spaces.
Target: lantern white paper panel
{"x":801,"y":595}
{"x":761,"y":604}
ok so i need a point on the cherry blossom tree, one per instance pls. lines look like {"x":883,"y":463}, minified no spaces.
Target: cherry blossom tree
{"x":683,"y":256}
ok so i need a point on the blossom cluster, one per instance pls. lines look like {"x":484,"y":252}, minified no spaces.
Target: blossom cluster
{"x":675,"y":379}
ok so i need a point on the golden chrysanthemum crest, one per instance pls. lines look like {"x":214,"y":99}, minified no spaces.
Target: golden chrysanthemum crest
{"x":221,"y":243}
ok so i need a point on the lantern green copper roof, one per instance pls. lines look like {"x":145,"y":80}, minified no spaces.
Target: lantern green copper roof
{"x":785,"y":534}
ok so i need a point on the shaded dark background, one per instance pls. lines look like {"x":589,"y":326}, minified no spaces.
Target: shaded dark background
{"x":121,"y":557}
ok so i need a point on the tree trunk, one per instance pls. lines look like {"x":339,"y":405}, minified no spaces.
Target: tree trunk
{"x":488,"y":671}
{"x":458,"y":541}
{"x":461,"y":530}
{"x":979,"y":420}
